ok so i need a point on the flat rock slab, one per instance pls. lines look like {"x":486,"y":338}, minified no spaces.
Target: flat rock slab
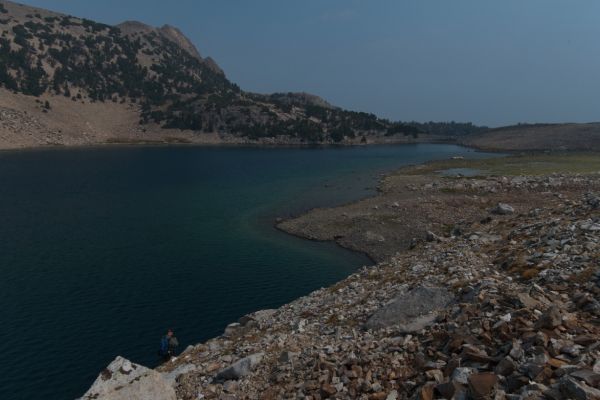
{"x":413,"y":310}
{"x":241,"y":368}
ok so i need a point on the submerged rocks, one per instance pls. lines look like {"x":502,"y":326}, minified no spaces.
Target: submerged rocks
{"x":124,"y":380}
{"x":412,"y":311}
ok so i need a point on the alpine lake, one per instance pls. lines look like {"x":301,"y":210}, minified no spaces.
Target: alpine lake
{"x":103,"y":249}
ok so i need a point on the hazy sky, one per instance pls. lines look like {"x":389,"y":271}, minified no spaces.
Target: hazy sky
{"x":490,"y":62}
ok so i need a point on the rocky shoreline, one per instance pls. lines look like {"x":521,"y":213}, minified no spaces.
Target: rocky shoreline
{"x":494,"y":295}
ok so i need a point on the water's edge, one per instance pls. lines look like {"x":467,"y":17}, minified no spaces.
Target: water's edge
{"x":240,"y":144}
{"x":276,"y":222}
{"x":328,"y":178}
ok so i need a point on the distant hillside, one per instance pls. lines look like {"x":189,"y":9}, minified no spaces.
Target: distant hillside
{"x":538,"y":137}
{"x":158,"y":77}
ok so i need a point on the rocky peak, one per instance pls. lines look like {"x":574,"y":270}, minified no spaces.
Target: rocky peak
{"x":212,"y":64}
{"x":303,"y":99}
{"x":172,"y":34}
{"x":175,"y":35}
{"x":154,"y":72}
{"x":132,"y":27}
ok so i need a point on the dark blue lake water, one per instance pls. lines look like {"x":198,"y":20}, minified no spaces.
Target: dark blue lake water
{"x":102,"y":249}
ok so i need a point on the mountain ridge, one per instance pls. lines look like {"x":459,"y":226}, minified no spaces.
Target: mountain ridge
{"x":158,"y":74}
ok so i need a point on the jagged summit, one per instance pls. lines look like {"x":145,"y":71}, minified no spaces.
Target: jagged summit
{"x":133,"y":27}
{"x":167,"y":31}
{"x":302,"y":98}
{"x":171,"y":33}
{"x":175,"y":35}
{"x":212,"y":64}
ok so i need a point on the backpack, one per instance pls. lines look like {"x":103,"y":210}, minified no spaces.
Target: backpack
{"x":164,"y":346}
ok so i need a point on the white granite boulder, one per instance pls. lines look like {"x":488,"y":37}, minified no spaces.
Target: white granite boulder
{"x":240,"y":368}
{"x":124,"y":380}
{"x":503,"y":209}
{"x":413,"y":310}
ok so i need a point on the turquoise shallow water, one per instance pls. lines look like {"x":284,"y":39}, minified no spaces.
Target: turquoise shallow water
{"x":102,"y":249}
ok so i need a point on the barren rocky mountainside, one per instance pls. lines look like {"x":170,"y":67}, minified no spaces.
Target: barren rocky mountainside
{"x":72,"y":81}
{"x":67,"y":80}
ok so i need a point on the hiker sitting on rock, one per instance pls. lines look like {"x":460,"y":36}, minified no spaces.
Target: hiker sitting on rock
{"x":168,"y":343}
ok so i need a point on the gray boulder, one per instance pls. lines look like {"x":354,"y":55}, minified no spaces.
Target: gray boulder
{"x":232,"y":329}
{"x":256,"y":318}
{"x":592,"y":200}
{"x":461,"y":375}
{"x":373,"y":237}
{"x":550,"y":319}
{"x":124,"y":380}
{"x":240,"y":368}
{"x":432,"y":237}
{"x":413,"y":310}
{"x":171,"y":377}
{"x":578,"y":390}
{"x":503,"y":209}
{"x":588,"y":376}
